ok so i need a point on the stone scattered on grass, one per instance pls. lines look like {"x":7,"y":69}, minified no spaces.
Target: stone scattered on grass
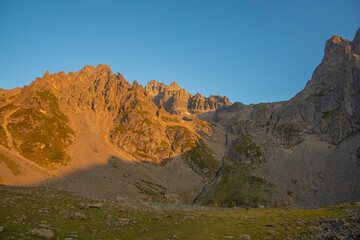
{"x":299,"y":223}
{"x":244,"y":237}
{"x":347,"y":228}
{"x":124,"y":221}
{"x":93,"y":205}
{"x":44,"y":225}
{"x":157,"y":218}
{"x":42,"y":233}
{"x":16,"y":198}
{"x":83,"y":206}
{"x":270,"y":225}
{"x":74,"y":235}
{"x":96,"y":205}
{"x":78,"y":216}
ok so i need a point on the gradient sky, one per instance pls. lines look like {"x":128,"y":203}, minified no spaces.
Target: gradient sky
{"x":250,"y":51}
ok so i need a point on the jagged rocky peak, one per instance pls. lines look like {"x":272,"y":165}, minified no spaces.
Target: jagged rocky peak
{"x":139,"y":126}
{"x":46,"y":74}
{"x":337,"y":70}
{"x":154,"y":88}
{"x":97,"y":87}
{"x":327,"y":107}
{"x":180,"y":102}
{"x":137,"y":86}
{"x":92,"y":88}
{"x":335,"y":48}
{"x":174,"y":86}
{"x":61,"y":80}
{"x":356,"y":42}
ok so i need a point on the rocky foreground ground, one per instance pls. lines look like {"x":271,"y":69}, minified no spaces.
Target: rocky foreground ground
{"x":43,"y":213}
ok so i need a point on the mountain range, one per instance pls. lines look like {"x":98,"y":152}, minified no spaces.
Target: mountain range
{"x":94,"y":133}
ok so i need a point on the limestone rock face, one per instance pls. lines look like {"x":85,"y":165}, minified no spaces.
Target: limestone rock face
{"x":327,"y":107}
{"x":172,"y":98}
{"x":140,"y":127}
{"x":92,"y":88}
{"x":178,"y":101}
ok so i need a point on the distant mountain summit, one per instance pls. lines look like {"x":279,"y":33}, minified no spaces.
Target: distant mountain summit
{"x":309,"y":145}
{"x":143,"y":124}
{"x":178,"y":101}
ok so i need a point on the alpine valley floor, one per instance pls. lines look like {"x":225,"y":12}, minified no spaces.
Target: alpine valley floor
{"x":43,"y":213}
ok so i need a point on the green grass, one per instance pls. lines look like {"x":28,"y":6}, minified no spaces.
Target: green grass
{"x":201,"y":123}
{"x":237,"y":186}
{"x":185,"y":131}
{"x":14,"y":167}
{"x":147,"y":121}
{"x":141,"y":154}
{"x":4,"y":97}
{"x":320,"y":94}
{"x":139,"y":132}
{"x":3,"y":137}
{"x":288,"y":131}
{"x":53,"y":103}
{"x":40,"y":137}
{"x":163,"y":143}
{"x":6,"y":108}
{"x":164,"y":147}
{"x":202,"y":127}
{"x":145,"y":115}
{"x":169,"y":119}
{"x":334,"y":112}
{"x":23,"y":209}
{"x":294,"y":181}
{"x":152,"y":185}
{"x":118,"y":129}
{"x":248,"y":147}
{"x":154,"y":192}
{"x":184,"y":135}
{"x":202,"y":159}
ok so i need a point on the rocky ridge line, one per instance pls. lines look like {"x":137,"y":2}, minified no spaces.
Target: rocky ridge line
{"x":327,"y":107}
{"x":140,"y":127}
{"x":180,"y":102}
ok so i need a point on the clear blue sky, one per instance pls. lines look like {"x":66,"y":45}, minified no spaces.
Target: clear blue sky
{"x":250,"y":51}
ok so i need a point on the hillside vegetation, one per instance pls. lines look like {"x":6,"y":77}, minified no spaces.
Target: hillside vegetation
{"x":43,"y":213}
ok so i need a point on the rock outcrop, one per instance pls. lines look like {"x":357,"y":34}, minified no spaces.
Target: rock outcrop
{"x":328,"y":106}
{"x":140,"y":127}
{"x":178,"y":101}
{"x":307,"y":146}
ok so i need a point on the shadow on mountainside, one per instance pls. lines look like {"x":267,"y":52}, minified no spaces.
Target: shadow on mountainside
{"x":132,"y":182}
